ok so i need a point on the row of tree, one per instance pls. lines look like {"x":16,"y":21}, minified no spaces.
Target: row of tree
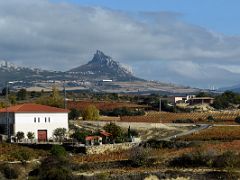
{"x":58,"y":133}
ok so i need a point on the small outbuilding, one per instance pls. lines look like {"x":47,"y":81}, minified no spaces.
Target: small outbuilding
{"x":106,"y":137}
{"x":39,"y":119}
{"x":93,"y":140}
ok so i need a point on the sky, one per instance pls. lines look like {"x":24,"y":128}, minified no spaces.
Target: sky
{"x":188,"y":42}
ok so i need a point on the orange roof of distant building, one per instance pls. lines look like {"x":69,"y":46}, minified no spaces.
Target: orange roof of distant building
{"x":105,"y":133}
{"x":89,"y":138}
{"x":31,"y":108}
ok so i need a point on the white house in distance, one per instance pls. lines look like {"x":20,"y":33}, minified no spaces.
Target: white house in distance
{"x":40,"y":119}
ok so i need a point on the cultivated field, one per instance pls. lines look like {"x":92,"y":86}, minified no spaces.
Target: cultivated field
{"x":167,"y":117}
{"x":102,"y":105}
{"x":225,"y":133}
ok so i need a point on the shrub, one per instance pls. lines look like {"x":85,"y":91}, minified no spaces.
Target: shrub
{"x":53,"y":167}
{"x":103,"y":176}
{"x":124,"y":111}
{"x":21,"y":155}
{"x":58,"y":151}
{"x":228,"y":159}
{"x":183,"y":121}
{"x":10,"y":172}
{"x":210,"y":118}
{"x":59,"y":173}
{"x":153,"y":143}
{"x":237,"y":119}
{"x":139,"y":156}
{"x":196,"y":159}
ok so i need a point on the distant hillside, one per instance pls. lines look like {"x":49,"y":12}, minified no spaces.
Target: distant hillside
{"x":104,"y":67}
{"x":12,"y":72}
{"x":235,"y":88}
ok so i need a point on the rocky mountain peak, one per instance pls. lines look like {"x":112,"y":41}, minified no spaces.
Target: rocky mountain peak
{"x":100,"y":58}
{"x":103,"y":66}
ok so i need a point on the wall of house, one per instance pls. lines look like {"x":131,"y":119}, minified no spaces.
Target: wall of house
{"x":32,"y":122}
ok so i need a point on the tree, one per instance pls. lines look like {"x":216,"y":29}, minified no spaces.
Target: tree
{"x":22,"y":94}
{"x":4,"y":90}
{"x":54,"y":99}
{"x":139,"y":156}
{"x":12,"y":98}
{"x":60,"y":133}
{"x":114,"y":129}
{"x":73,"y":114}
{"x":226,"y":99}
{"x":20,"y":135}
{"x":129,"y":132}
{"x":80,"y":135}
{"x":30,"y":136}
{"x":90,"y":113}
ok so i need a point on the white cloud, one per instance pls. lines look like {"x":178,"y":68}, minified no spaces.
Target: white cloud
{"x":62,"y":35}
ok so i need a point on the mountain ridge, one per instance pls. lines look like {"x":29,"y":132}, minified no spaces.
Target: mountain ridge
{"x":99,"y":68}
{"x":89,"y":76}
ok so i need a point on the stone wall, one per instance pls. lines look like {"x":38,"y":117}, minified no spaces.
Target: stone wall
{"x":109,"y":148}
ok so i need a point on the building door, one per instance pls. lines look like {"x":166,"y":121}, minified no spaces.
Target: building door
{"x":42,"y":135}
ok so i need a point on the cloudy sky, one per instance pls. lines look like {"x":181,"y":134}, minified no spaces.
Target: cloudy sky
{"x":187,"y":42}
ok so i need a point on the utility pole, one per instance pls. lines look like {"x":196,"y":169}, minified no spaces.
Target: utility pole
{"x":7,"y":114}
{"x":160,"y":104}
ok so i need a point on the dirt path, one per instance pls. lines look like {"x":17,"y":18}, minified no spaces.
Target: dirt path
{"x":200,"y":127}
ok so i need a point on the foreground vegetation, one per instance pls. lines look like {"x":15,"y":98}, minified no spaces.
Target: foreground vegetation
{"x":161,"y":158}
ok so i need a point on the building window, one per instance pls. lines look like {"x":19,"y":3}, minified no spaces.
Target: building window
{"x":39,"y":119}
{"x":45,"y":119}
{"x":48,"y":119}
{"x":35,"y":120}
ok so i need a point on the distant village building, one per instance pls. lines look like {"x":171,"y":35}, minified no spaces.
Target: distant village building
{"x":190,"y":99}
{"x":178,"y":99}
{"x":40,"y":119}
{"x":201,"y":100}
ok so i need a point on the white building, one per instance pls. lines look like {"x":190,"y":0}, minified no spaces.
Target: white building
{"x":40,"y":119}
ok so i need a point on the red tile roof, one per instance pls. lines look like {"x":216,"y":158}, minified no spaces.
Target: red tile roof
{"x":89,"y":138}
{"x":30,"y":108}
{"x":104,"y":133}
